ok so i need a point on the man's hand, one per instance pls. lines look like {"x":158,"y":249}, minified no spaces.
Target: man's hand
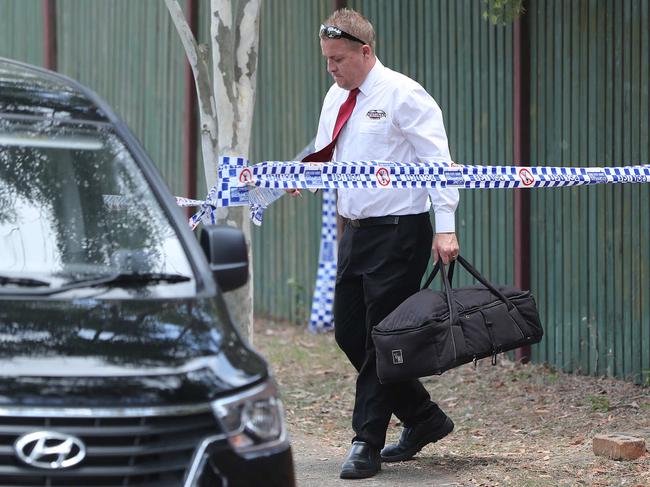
{"x":446,"y":246}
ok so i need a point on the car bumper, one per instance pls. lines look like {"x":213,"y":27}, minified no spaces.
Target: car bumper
{"x":222,"y":467}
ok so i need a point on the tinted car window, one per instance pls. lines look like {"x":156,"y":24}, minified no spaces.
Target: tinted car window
{"x":74,"y":204}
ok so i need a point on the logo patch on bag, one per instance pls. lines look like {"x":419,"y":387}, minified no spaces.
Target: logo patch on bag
{"x":397,"y":357}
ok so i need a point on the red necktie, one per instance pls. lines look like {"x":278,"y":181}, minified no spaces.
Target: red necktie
{"x":325,"y":154}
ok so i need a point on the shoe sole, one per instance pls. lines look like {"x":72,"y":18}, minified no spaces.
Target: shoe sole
{"x":447,"y":428}
{"x":359,"y":474}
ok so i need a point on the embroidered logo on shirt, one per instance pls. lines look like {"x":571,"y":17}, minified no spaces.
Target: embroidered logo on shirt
{"x":376,"y":114}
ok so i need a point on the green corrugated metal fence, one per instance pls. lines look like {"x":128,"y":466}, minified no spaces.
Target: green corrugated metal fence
{"x":130,"y":54}
{"x":291,"y":84}
{"x":21,"y":30}
{"x":591,"y":246}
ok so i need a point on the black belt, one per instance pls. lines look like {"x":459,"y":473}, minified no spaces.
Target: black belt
{"x":375,"y":220}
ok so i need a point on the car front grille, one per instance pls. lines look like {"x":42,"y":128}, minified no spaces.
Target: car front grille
{"x":154,"y":447}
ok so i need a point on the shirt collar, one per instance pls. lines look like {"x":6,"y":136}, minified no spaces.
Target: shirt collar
{"x":372,"y":77}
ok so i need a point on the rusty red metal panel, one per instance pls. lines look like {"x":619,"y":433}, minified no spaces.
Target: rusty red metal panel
{"x":190,"y":124}
{"x":521,"y":149}
{"x":49,"y":37}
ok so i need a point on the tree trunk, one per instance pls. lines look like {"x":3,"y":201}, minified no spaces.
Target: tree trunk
{"x":226,"y":108}
{"x":235,"y":42}
{"x":197,"y":56}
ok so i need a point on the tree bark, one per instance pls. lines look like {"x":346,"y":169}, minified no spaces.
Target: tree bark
{"x":197,"y":56}
{"x":234,"y":39}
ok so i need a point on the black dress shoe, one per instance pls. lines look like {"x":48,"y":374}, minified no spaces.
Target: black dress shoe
{"x":414,"y":438}
{"x":362,"y":461}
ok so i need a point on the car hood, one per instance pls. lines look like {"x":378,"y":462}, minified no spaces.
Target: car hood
{"x":94,"y":352}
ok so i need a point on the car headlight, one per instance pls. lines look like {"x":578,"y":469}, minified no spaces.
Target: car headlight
{"x":252,"y":419}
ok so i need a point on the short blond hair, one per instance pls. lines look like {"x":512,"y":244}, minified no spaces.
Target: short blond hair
{"x":353,"y":23}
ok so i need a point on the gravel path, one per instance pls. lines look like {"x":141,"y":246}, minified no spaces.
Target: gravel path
{"x":318,"y":465}
{"x":516,"y":425}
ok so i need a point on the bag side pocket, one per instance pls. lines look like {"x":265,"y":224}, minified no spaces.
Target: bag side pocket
{"x":477,"y":336}
{"x":506,"y":332}
{"x":407,"y":355}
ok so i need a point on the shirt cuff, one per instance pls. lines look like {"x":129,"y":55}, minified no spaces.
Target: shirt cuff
{"x":445,"y":222}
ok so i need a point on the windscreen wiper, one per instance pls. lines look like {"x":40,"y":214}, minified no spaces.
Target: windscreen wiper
{"x":22,"y":281}
{"x":114,"y":280}
{"x":136,"y":279}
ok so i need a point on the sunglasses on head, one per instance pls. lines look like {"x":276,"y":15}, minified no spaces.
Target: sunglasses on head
{"x":333,"y":32}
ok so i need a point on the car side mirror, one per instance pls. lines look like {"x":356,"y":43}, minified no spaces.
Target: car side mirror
{"x":225,"y":248}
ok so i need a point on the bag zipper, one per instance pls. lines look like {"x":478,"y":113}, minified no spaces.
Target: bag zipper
{"x":488,"y":325}
{"x":482,"y":306}
{"x":405,"y":330}
{"x":466,"y":312}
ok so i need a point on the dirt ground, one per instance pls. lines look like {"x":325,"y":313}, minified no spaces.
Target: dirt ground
{"x":516,"y":425}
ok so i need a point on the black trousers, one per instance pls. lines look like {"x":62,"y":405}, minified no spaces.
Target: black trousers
{"x":378,"y":268}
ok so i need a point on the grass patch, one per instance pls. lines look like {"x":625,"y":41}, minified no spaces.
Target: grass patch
{"x":645,"y":373}
{"x":521,"y":375}
{"x":599,"y":403}
{"x":551,"y":378}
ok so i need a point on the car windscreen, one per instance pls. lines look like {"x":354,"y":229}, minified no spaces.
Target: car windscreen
{"x":74,"y":205}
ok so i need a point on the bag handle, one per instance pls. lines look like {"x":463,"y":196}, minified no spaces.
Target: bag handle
{"x":435,"y":270}
{"x":453,"y":312}
{"x":470,"y":268}
{"x":446,"y":280}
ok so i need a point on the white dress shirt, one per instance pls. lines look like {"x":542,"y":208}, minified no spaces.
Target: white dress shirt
{"x":394,"y":119}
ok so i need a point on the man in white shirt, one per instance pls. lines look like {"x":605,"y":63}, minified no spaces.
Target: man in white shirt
{"x":388,"y":238}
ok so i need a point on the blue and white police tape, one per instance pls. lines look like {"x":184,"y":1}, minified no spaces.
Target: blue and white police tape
{"x":258,"y":200}
{"x":322,"y":316}
{"x":257,"y":186}
{"x":391,"y":175}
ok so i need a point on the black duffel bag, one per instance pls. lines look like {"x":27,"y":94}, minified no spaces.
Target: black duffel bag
{"x":434,"y":331}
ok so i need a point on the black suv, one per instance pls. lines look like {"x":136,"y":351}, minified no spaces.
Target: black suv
{"x":119,"y":364}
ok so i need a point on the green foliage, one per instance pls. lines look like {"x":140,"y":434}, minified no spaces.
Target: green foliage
{"x":521,"y":375}
{"x":551,"y":378}
{"x":599,"y":403}
{"x":300,"y":302}
{"x":502,"y":12}
{"x":645,"y":374}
